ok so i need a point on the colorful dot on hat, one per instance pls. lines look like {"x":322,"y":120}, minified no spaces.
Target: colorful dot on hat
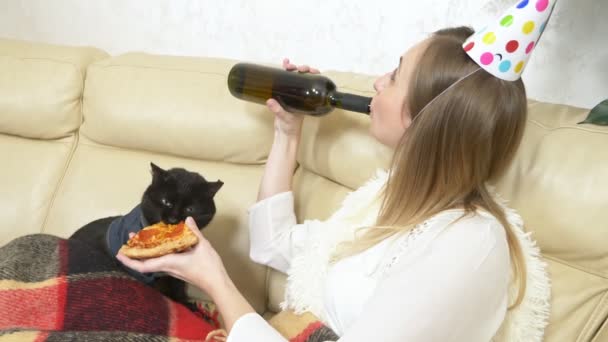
{"x":486,"y":58}
{"x":522,"y":4}
{"x":504,"y":48}
{"x":489,"y":38}
{"x":528,"y":27}
{"x":512,"y":46}
{"x":530,"y":47}
{"x":507,"y":21}
{"x":542,"y":5}
{"x":504,"y":66}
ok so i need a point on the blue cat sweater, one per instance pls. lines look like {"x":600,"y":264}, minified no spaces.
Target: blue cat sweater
{"x":118,"y":234}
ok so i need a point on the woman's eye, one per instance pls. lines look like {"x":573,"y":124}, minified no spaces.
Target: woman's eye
{"x":166,"y":202}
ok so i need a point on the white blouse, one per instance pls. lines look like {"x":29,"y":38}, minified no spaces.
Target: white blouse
{"x":451,"y":285}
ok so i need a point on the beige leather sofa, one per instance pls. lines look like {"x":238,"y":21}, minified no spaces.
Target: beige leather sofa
{"x":78,"y":129}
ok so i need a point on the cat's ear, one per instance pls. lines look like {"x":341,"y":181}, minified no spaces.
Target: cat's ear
{"x":213,"y":187}
{"x":157,"y":172}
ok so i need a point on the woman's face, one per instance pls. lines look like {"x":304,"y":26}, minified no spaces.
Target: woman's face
{"x":390,"y":115}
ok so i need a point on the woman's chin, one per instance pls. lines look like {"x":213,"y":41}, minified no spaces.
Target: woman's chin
{"x":373,"y":131}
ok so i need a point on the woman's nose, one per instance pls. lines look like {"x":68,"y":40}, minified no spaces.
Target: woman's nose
{"x":380,"y":83}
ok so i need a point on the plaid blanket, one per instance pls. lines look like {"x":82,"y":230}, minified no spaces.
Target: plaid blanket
{"x":52,"y":289}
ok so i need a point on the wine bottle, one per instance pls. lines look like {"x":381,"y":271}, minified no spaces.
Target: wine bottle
{"x":305,"y":93}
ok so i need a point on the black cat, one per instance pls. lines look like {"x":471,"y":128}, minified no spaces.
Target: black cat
{"x":172,"y":196}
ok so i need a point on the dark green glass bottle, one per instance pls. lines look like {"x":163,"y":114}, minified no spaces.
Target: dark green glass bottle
{"x":305,"y":93}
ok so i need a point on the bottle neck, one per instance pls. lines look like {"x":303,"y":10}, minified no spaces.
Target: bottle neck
{"x":351,"y":102}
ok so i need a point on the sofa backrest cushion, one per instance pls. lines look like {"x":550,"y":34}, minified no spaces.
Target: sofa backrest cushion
{"x":558,"y":184}
{"x":41,"y":87}
{"x":174,"y":105}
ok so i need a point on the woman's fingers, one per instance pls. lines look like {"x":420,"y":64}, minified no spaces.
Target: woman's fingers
{"x":303,"y":68}
{"x":142,"y":266}
{"x":307,"y":69}
{"x":288,"y":65}
{"x":194,"y":229}
{"x":274,"y":106}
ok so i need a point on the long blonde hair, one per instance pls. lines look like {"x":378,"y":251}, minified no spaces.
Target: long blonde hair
{"x":463,"y":139}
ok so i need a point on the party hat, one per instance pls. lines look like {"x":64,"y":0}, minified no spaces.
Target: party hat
{"x":504,"y":47}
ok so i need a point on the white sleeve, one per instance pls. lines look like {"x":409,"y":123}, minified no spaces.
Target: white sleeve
{"x":252,"y":327}
{"x":456,"y":290}
{"x":274,"y":235}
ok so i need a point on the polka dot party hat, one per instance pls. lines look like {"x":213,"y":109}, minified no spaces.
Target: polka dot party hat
{"x":503,"y":48}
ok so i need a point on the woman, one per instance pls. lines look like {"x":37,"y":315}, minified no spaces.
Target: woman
{"x":434,"y":258}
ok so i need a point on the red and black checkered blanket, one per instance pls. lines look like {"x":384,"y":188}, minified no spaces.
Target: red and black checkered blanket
{"x":52,"y":289}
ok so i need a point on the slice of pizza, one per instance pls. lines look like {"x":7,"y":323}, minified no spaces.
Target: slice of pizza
{"x":159,"y":239}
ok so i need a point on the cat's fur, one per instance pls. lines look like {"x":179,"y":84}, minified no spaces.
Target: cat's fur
{"x":172,"y":196}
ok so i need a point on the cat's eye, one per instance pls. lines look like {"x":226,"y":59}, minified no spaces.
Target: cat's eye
{"x":190,"y":210}
{"x":166,"y":202}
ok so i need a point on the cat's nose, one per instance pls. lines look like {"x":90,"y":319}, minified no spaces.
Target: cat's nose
{"x":172,"y":220}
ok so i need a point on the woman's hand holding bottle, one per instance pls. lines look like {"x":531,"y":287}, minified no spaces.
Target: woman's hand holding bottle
{"x":287,"y":123}
{"x":281,"y":162}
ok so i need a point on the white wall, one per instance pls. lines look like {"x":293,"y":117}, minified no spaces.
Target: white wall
{"x":570,"y":66}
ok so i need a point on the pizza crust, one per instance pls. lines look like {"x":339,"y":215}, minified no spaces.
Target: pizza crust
{"x":185,"y":241}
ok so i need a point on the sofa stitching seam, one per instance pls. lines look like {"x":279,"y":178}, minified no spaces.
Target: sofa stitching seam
{"x":58,"y":61}
{"x":60,"y":183}
{"x":594,"y":318}
{"x":127,"y":66}
{"x":583,"y":269}
{"x":96,"y":144}
{"x":551,"y":129}
{"x":601,"y":330}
